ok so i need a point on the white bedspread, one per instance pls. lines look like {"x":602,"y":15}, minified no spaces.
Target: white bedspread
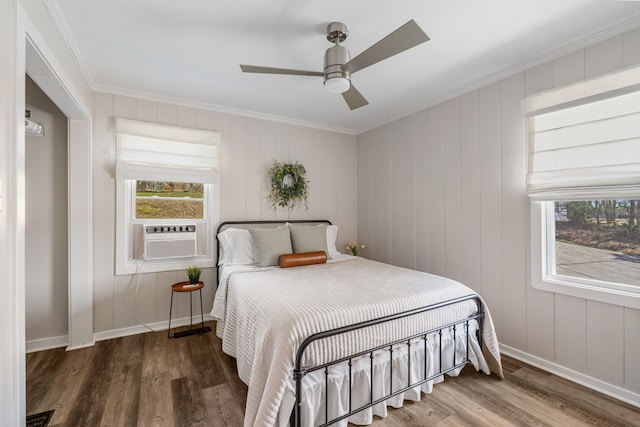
{"x":264,"y":314}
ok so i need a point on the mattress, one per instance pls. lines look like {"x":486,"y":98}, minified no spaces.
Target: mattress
{"x":265,"y":313}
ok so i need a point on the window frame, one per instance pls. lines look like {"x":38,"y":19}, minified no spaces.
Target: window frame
{"x":542,"y":258}
{"x":125,"y":208}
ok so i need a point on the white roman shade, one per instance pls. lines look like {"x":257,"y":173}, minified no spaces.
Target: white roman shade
{"x":585,"y":137}
{"x":156,"y":152}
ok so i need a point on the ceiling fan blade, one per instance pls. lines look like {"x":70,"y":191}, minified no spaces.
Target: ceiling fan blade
{"x":271,"y":70}
{"x":353,"y":98}
{"x":405,"y":37}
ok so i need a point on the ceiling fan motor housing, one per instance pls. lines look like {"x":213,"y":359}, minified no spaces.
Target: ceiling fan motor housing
{"x":335,"y":57}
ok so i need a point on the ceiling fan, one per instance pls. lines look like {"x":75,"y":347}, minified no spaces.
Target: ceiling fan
{"x":338,"y":64}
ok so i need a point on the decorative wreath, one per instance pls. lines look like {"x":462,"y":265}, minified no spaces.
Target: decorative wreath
{"x":288,"y":185}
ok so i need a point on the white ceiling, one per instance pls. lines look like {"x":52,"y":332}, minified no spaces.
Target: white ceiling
{"x":189,"y":51}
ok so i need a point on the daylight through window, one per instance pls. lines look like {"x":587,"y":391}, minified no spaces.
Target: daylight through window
{"x":598,"y":240}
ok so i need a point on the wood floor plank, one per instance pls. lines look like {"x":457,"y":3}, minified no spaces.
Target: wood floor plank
{"x":150,"y":380}
{"x":188,"y":405}
{"x":65,"y":382}
{"x":123,"y":398}
{"x":91,"y":398}
{"x":215,"y":418}
{"x":587,"y":405}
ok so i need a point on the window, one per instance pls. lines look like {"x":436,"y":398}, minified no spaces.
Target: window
{"x":169,"y":200}
{"x":583,"y":183}
{"x":167,"y":196}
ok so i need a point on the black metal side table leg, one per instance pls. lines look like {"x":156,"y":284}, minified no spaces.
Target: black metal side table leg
{"x":201,"y":310}
{"x":170,"y":310}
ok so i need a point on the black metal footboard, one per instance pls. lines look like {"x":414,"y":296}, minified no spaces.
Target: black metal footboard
{"x":299,"y":372}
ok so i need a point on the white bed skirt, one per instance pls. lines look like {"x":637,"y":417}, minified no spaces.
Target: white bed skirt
{"x":313,"y":401}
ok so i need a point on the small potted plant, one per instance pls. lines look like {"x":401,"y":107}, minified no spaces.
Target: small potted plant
{"x":193,"y":272}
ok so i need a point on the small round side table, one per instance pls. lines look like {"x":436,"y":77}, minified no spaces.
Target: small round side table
{"x":187,"y":287}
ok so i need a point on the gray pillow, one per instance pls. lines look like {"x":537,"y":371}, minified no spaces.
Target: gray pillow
{"x":308,"y":238}
{"x":269,"y":243}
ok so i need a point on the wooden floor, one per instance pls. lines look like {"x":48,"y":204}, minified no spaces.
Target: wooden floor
{"x":149,"y":380}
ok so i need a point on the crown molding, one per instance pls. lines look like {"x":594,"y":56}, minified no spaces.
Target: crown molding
{"x":219,"y":108}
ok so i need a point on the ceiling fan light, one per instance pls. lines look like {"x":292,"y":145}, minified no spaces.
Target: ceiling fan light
{"x":337,"y":84}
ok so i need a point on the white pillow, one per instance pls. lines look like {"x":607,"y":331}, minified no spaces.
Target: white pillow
{"x":235,"y":244}
{"x":332,"y":235}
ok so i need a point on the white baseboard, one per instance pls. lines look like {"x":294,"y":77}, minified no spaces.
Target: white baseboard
{"x":571,"y":375}
{"x":63,"y":341}
{"x":46,"y":343}
{"x":155,"y":327}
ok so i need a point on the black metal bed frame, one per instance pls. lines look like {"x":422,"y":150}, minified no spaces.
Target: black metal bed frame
{"x":227,"y":224}
{"x":300,"y":372}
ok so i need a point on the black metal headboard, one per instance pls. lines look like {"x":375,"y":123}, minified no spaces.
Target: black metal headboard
{"x":260,"y":223}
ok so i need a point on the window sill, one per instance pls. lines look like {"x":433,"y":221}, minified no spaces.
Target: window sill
{"x":621,"y":297}
{"x":140,"y":266}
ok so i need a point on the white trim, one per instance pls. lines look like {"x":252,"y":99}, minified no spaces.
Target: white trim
{"x":151,"y":327}
{"x":541,"y":231}
{"x":110,"y":90}
{"x":47,"y":343}
{"x":12,"y":216}
{"x":571,"y":375}
{"x":63,"y":27}
{"x":124,"y":262}
{"x":80,"y":226}
{"x":45,"y":70}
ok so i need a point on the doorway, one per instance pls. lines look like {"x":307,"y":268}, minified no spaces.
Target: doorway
{"x":46,"y":224}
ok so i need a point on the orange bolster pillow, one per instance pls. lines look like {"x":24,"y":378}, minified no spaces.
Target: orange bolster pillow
{"x":302,"y":258}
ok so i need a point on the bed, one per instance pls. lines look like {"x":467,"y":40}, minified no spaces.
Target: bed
{"x":339,"y":341}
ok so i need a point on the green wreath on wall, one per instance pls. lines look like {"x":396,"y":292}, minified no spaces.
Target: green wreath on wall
{"x":288,"y":185}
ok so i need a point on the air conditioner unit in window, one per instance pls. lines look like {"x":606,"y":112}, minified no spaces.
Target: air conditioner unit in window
{"x":169,"y":241}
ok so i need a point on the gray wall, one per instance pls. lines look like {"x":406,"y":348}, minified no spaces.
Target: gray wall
{"x":443,"y":190}
{"x":249,"y":146}
{"x":46,"y":223}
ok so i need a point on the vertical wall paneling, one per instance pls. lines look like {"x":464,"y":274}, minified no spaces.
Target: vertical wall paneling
{"x":570,"y":331}
{"x":435,"y":184}
{"x":146,"y":110}
{"x":470,"y":251}
{"x":540,"y":304}
{"x":631,"y":48}
{"x":248,"y":149}
{"x":568,"y":69}
{"x":236,"y":173}
{"x":605,"y":345}
{"x":167,"y":113}
{"x":570,"y":313}
{"x":253,"y":167}
{"x":603,"y":57}
{"x":471,"y":215}
{"x":490,"y":200}
{"x":384,"y":185}
{"x":186,"y":117}
{"x":268,"y":155}
{"x":452,"y":183}
{"x":423,"y":205}
{"x":631,"y":350}
{"x":514,"y":212}
{"x":403,"y":193}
